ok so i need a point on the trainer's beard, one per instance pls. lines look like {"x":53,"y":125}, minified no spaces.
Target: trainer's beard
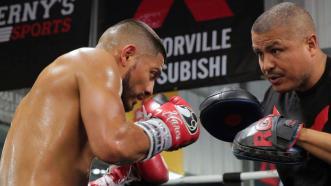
{"x":127,"y":92}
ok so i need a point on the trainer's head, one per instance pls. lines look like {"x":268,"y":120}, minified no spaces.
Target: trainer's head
{"x":140,"y":55}
{"x":285,"y":41}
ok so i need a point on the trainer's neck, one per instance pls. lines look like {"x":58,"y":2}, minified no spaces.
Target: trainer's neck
{"x":318,"y":69}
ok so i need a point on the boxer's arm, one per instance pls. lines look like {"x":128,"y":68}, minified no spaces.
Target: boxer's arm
{"x":316,"y":142}
{"x":111,"y":137}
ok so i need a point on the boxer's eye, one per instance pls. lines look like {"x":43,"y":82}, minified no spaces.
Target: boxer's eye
{"x":154,"y":74}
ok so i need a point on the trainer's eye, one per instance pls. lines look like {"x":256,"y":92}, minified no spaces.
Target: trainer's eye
{"x":259,"y":55}
{"x":275,"y":51}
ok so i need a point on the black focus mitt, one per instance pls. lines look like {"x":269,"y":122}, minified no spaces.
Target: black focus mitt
{"x":226,"y":112}
{"x":270,"y":139}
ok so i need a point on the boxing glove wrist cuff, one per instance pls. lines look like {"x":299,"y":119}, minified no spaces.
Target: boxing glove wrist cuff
{"x":158,"y":134}
{"x":287,"y":132}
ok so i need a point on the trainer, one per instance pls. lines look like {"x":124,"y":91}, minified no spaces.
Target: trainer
{"x":75,"y":111}
{"x":285,"y":40}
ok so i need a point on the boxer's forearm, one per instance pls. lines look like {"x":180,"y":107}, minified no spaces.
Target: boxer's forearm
{"x":130,"y":144}
{"x":124,"y":144}
{"x":317,"y":143}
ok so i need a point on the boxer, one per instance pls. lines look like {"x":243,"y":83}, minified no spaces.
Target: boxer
{"x":75,"y":111}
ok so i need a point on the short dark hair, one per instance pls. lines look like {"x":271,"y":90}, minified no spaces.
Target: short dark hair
{"x":136,"y":29}
{"x":284,"y":14}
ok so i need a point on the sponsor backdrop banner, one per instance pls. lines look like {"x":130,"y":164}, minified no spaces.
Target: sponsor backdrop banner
{"x":207,"y":42}
{"x":34,"y":32}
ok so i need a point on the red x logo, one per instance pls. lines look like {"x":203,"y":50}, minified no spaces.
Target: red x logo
{"x":154,"y":12}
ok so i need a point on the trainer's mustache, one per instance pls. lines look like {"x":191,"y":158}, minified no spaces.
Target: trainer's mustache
{"x":272,"y":74}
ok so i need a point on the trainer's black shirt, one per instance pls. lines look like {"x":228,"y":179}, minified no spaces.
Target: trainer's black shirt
{"x":312,"y":108}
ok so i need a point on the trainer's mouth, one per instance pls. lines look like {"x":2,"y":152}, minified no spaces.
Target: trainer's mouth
{"x":275,"y":79}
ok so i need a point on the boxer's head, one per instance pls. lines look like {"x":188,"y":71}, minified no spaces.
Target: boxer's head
{"x":285,"y":41}
{"x":140,"y":55}
{"x":138,"y":82}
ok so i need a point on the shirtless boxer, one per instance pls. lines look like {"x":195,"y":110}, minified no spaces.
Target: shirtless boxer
{"x":75,"y":111}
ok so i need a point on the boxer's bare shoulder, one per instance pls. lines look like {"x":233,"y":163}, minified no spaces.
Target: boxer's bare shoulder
{"x":56,"y":97}
{"x":72,"y":68}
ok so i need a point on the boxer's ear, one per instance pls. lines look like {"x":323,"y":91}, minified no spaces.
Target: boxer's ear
{"x":126,"y":53}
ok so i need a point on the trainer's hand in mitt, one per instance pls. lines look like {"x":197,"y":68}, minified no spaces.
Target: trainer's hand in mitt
{"x":271,"y":139}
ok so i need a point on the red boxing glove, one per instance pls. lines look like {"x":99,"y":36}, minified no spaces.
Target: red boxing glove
{"x":173,"y":125}
{"x":116,"y":176}
{"x":182,"y":122}
{"x":149,"y":105}
{"x":153,"y":170}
